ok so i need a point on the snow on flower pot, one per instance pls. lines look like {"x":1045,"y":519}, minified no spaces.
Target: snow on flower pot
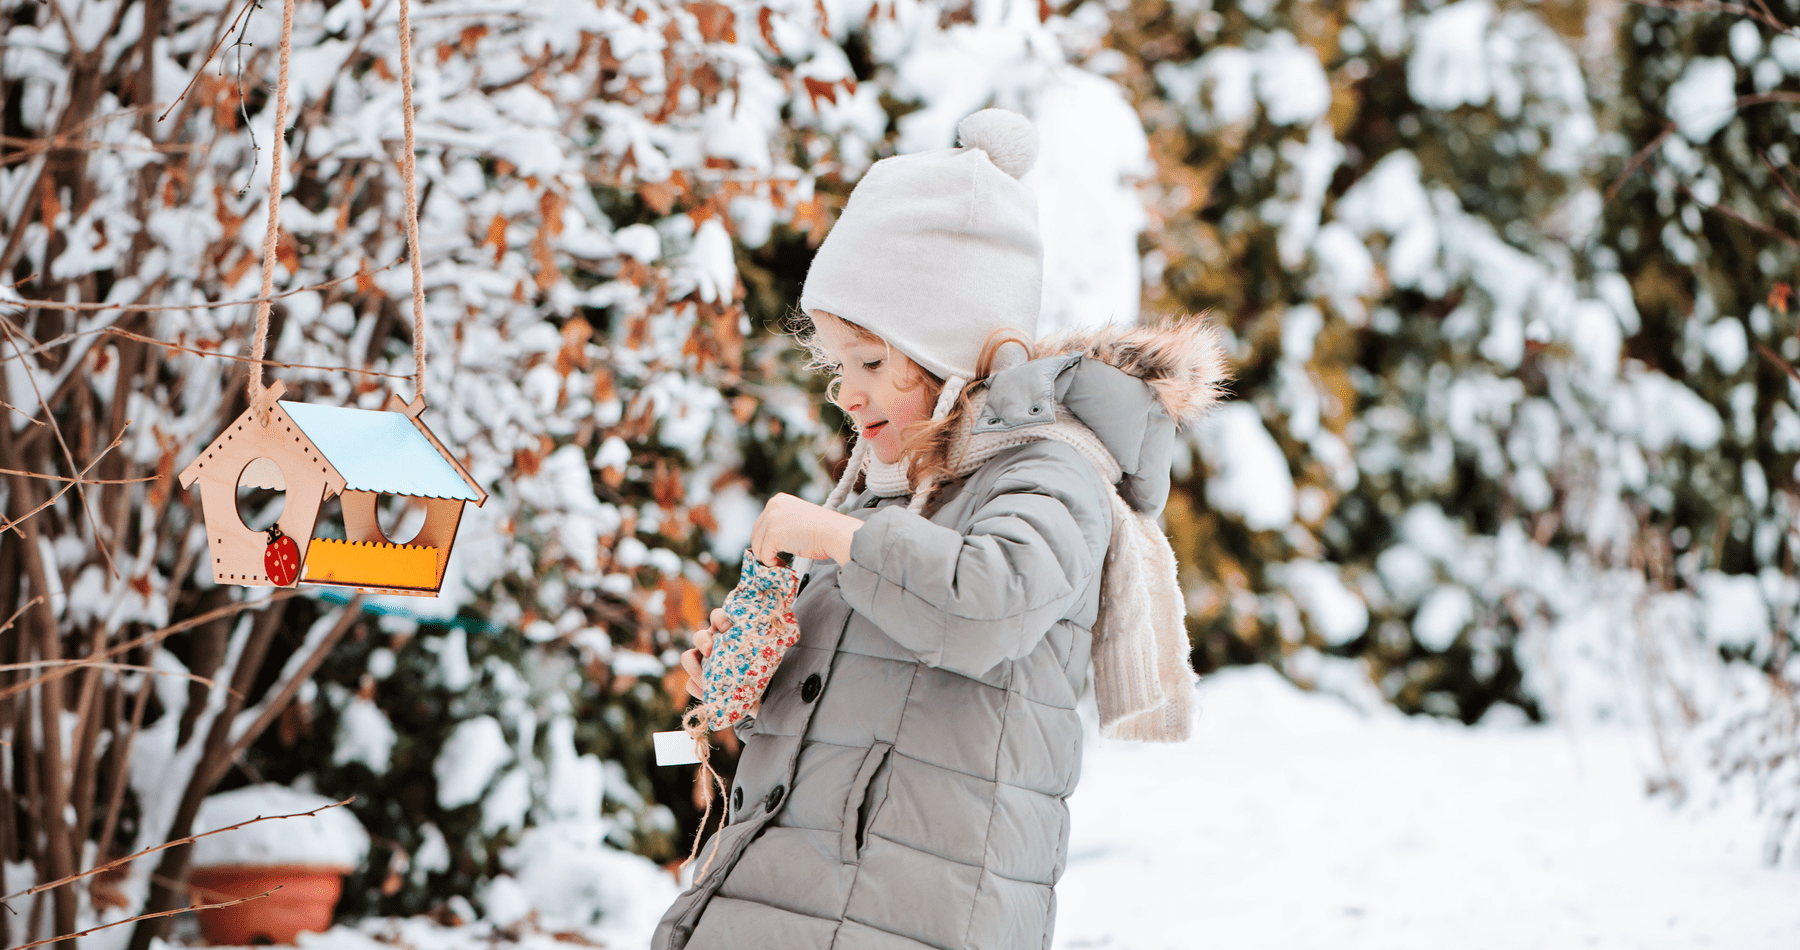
{"x":302,"y":860}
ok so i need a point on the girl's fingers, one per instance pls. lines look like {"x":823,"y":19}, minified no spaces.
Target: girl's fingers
{"x":703,"y":641}
{"x":758,"y":531}
{"x":690,"y":661}
{"x":721,"y":621}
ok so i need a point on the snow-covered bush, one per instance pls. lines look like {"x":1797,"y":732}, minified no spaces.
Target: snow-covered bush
{"x":1705,"y":230}
{"x":327,"y":837}
{"x":1504,"y":436}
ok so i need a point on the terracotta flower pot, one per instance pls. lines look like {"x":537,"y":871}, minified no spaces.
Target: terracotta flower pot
{"x":307,"y":897}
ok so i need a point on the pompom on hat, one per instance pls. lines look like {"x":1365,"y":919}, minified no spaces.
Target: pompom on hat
{"x":937,"y":250}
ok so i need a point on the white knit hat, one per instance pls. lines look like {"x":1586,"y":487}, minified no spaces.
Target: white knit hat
{"x":937,"y":250}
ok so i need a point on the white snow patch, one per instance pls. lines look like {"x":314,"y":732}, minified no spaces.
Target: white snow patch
{"x":1407,"y":573}
{"x":1442,"y":617}
{"x":1290,"y":82}
{"x":1337,"y":614}
{"x":711,"y":259}
{"x":1734,"y":613}
{"x":571,"y":879}
{"x":1527,"y":837}
{"x":1250,"y":476}
{"x":1659,"y":411}
{"x":1093,"y":153}
{"x":364,"y":735}
{"x":1449,"y":67}
{"x":1704,"y":99}
{"x":476,"y":749}
{"x":1727,"y":344}
{"x":331,"y":838}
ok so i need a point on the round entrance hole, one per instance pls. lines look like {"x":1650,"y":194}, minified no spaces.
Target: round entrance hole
{"x":400,"y":517}
{"x":261,"y":494}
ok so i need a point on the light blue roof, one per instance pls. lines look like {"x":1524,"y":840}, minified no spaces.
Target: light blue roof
{"x":379,"y":451}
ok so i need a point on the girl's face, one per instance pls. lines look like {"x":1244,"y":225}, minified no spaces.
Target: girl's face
{"x":882,"y":391}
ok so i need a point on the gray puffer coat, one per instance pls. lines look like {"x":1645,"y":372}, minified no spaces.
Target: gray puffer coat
{"x":904,"y":785}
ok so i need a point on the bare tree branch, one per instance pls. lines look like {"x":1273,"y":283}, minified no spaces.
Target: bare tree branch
{"x":12,"y":525}
{"x":295,"y":676}
{"x":99,"y":665}
{"x":1761,"y":13}
{"x":69,"y":457}
{"x":161,"y":308}
{"x":133,"y":920}
{"x":190,"y":839}
{"x":84,"y":481}
{"x":1740,"y":218}
{"x":1775,"y":358}
{"x":198,"y":70}
{"x":7,"y":405}
{"x":155,"y":636}
{"x":33,"y":602}
{"x":1781,"y":179}
{"x":1637,"y":161}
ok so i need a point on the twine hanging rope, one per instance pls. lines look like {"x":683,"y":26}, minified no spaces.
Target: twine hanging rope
{"x":272,"y":236}
{"x":412,"y":201}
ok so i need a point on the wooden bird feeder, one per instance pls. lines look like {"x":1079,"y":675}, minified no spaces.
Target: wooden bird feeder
{"x":312,"y":453}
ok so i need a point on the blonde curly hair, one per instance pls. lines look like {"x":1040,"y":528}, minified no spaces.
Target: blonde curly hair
{"x":925,"y":445}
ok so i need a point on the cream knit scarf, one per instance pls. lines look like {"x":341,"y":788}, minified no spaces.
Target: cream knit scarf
{"x":1143,"y":685}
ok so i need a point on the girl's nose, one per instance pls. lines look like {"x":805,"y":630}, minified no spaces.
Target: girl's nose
{"x":852,"y":400}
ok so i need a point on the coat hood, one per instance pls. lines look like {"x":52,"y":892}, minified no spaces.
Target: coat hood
{"x":1131,"y":385}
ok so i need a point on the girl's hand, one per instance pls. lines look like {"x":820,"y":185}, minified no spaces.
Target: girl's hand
{"x":692,"y":659}
{"x":803,"y":529}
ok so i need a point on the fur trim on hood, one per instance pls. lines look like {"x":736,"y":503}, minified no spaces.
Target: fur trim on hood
{"x":1184,"y":361}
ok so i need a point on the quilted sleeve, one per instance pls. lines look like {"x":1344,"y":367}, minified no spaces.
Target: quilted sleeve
{"x":968,"y":600}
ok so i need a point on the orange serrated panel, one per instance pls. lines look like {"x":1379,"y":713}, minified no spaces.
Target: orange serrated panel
{"x":371,"y":564}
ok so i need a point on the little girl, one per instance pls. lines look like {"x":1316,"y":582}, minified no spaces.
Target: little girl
{"x":904,"y":782}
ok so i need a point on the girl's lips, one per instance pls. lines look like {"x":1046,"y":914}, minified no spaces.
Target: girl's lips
{"x":871,"y":430}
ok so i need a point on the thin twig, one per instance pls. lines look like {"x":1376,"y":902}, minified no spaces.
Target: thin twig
{"x":273,"y":708}
{"x":1643,"y":154}
{"x":215,"y":354}
{"x":159,"y":308}
{"x":1775,"y":358}
{"x":190,"y":839}
{"x":133,"y":920}
{"x":33,"y":602}
{"x":247,"y":359}
{"x":1761,"y":13}
{"x":84,"y":481}
{"x":203,"y":63}
{"x":13,"y":525}
{"x":69,"y":457}
{"x":157,"y":635}
{"x":102,"y":665}
{"x":1738,"y":217}
{"x":7,"y":405}
{"x":243,"y":105}
{"x":1637,"y":161}
{"x":28,"y":148}
{"x":1793,"y":199}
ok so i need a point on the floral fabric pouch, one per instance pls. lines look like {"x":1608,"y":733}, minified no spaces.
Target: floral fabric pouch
{"x":743,"y":657}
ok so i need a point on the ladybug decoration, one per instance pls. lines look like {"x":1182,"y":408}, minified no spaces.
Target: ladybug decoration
{"x":281,"y":559}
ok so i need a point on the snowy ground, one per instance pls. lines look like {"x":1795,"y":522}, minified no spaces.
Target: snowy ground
{"x":1292,"y":822}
